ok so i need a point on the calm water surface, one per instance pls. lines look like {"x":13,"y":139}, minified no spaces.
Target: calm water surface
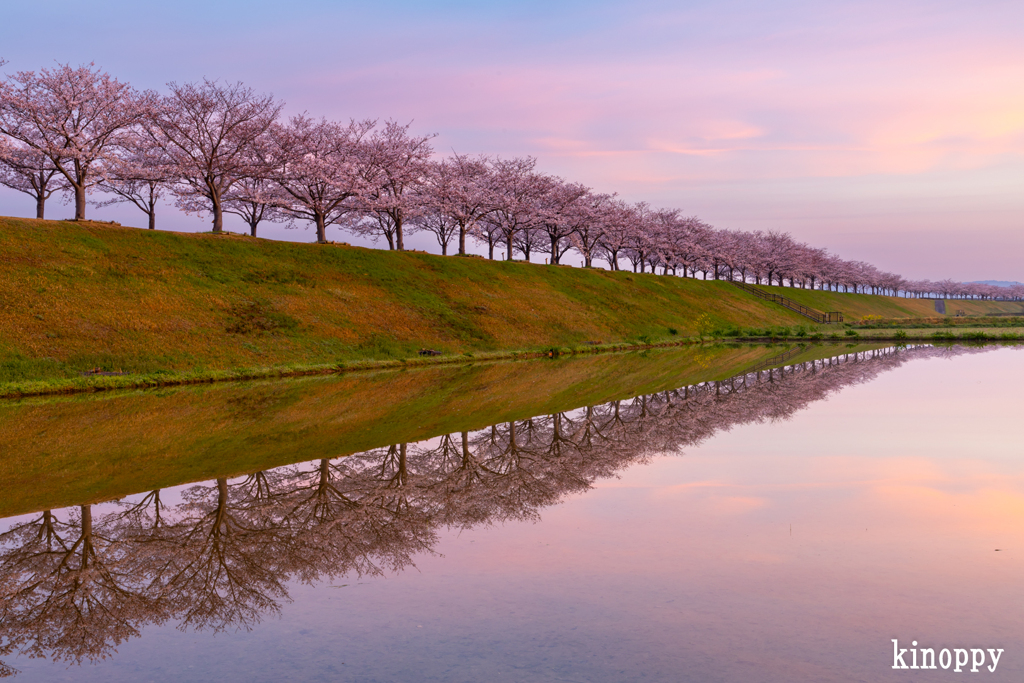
{"x":781,"y":526}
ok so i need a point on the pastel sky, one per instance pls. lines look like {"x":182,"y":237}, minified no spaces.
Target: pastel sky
{"x":888,"y":132}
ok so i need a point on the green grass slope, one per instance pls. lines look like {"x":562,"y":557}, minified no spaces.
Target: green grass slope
{"x":77,"y":296}
{"x":856,"y":306}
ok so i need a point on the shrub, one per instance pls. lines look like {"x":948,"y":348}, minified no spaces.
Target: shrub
{"x":257,"y":316}
{"x":704,"y":325}
{"x":900,"y":334}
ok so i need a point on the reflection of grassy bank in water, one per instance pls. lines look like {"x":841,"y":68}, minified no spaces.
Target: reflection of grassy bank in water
{"x":62,"y":451}
{"x":115,"y":381}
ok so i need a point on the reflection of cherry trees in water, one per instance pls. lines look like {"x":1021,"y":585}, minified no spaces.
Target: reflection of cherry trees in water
{"x":72,"y":588}
{"x":74,"y":584}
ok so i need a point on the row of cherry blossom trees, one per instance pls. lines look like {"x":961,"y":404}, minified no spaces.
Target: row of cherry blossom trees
{"x":217,"y":148}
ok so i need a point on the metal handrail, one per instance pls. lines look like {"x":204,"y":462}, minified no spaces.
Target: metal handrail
{"x":795,"y":306}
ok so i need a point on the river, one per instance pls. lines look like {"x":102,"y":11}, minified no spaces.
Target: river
{"x":722,"y":513}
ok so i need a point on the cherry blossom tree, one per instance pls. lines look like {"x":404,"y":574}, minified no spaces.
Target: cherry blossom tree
{"x":487,"y":231}
{"x":641,"y":240}
{"x":76,"y":118}
{"x":207,"y":131}
{"x":254,"y":200}
{"x":256,"y":197}
{"x":619,"y":227}
{"x":434,"y":198}
{"x":459,"y":187}
{"x":516,"y":190}
{"x":397,"y":164}
{"x":30,"y":172}
{"x":558,"y":212}
{"x":321,"y":169}
{"x":138,"y":174}
{"x":591,"y":216}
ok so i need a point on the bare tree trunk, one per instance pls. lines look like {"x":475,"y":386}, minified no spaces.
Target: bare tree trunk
{"x":151,"y":205}
{"x":218,"y":217}
{"x":399,"y":234}
{"x":321,"y":229}
{"x":40,"y":205}
{"x":508,"y":240}
{"x":462,"y":240}
{"x":80,"y":202}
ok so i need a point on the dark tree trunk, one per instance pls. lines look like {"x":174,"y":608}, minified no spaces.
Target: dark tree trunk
{"x":40,"y":205}
{"x":218,"y":217}
{"x":462,"y":240}
{"x":79,"y":202}
{"x":399,"y":234}
{"x":321,"y":229}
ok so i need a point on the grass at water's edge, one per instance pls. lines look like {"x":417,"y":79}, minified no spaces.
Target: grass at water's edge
{"x":90,"y":384}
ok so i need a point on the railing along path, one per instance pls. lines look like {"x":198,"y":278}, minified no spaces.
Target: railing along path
{"x":796,"y":307}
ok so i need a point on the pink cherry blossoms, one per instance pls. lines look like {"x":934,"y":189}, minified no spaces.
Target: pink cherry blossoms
{"x":219,"y":148}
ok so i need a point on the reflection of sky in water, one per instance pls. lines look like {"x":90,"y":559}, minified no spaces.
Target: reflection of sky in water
{"x":778,"y":551}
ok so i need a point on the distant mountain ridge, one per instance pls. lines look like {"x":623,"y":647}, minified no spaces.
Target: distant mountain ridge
{"x":997,"y":283}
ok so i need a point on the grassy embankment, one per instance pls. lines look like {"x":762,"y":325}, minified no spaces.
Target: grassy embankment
{"x":172,"y":307}
{"x":872,"y":317}
{"x":78,"y":296}
{"x":61,"y":451}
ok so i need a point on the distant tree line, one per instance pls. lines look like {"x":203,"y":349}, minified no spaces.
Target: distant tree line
{"x":217,"y":148}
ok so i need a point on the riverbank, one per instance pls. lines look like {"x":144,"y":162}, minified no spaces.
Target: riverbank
{"x":93,"y":306}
